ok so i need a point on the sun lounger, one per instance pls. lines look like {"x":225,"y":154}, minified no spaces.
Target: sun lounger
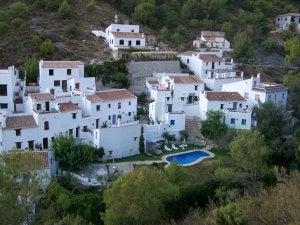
{"x":183,"y":146}
{"x":167,"y":148}
{"x":174,"y":147}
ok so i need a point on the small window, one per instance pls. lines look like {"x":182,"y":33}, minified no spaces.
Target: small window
{"x":46,"y":125}
{"x":205,"y":71}
{"x":240,"y":105}
{"x":243,"y":121}
{"x":97,"y":123}
{"x":3,"y":105}
{"x":109,"y":117}
{"x":222,"y":106}
{"x":118,"y":30}
{"x":97,"y":107}
{"x":172,"y":122}
{"x":3,"y":90}
{"x":18,"y":132}
{"x":77,"y":85}
{"x":57,"y":83}
{"x":138,"y":42}
{"x":206,"y":63}
{"x":168,"y":98}
{"x":132,"y":31}
{"x":121,"y":42}
{"x":38,"y":106}
{"x":129,"y":113}
{"x":18,"y":145}
{"x":119,"y":105}
{"x":71,"y":131}
{"x":69,"y":71}
{"x":182,"y":98}
{"x":129,"y":103}
{"x":232,"y":121}
{"x":282,"y":96}
{"x":187,"y":60}
{"x":219,"y":63}
{"x":108,"y":105}
{"x":51,"y":72}
{"x":85,"y":129}
{"x":74,"y":116}
{"x":196,"y":87}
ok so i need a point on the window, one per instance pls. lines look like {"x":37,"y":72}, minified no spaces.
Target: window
{"x":74,"y":116}
{"x":108,"y":105}
{"x":77,"y":131}
{"x":270,"y":96}
{"x":172,"y":122}
{"x":246,"y":95}
{"x":18,"y":132}
{"x":97,"y":107}
{"x":57,"y":83}
{"x":222,"y":106}
{"x":219,"y":63}
{"x":77,"y":85}
{"x":97,"y":123}
{"x":138,"y":42}
{"x":240,"y":105}
{"x":187,"y":60}
{"x":196,"y":87}
{"x":118,"y":30}
{"x":205,"y":71}
{"x":109,"y":117}
{"x":132,"y":31}
{"x":85,"y":129}
{"x":51,"y":72}
{"x":282,"y":96}
{"x":206,"y":63}
{"x":71,"y":131}
{"x":69,"y":71}
{"x":257,"y":97}
{"x":46,"y":125}
{"x":129,"y":103}
{"x":232,"y":121}
{"x":3,"y":105}
{"x":129,"y":113}
{"x":119,"y":105}
{"x":121,"y":42}
{"x":18,"y":145}
{"x":3,"y":90}
{"x":275,"y":97}
{"x":182,"y":98}
{"x":243,"y":121}
{"x":168,"y":98}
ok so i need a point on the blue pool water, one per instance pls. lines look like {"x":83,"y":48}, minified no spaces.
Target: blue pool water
{"x":188,"y":157}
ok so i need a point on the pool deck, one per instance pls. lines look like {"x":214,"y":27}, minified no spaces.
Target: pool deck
{"x":210,"y":155}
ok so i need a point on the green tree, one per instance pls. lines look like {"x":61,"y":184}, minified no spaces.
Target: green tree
{"x":164,"y":33}
{"x":213,"y":127}
{"x":175,"y":173}
{"x":91,"y":6}
{"x":31,"y":67}
{"x":138,"y":198}
{"x":292,"y":48}
{"x":292,"y":81}
{"x":19,"y":186}
{"x":242,"y":47}
{"x":227,"y":27}
{"x":18,"y":9}
{"x":91,"y":70}
{"x":250,"y":152}
{"x":64,"y":10}
{"x":4,"y":27}
{"x":145,"y":13}
{"x":72,"y":153}
{"x":142,"y":141}
{"x":230,"y":214}
{"x":270,"y":120}
{"x":47,"y":48}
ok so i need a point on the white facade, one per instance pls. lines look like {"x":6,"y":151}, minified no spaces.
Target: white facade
{"x":212,"y":39}
{"x":124,"y":36}
{"x":255,"y":91}
{"x":283,"y":21}
{"x":211,"y":68}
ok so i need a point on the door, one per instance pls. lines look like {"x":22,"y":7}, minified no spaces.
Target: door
{"x":234,"y":106}
{"x":64,"y":85}
{"x":30,"y":145}
{"x":114,"y":119}
{"x":169,"y":107}
{"x":129,"y":43}
{"x":47,"y":106}
{"x":213,"y":65}
{"x":45,"y":143}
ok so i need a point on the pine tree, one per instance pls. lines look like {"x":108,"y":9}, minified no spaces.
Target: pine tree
{"x":142,"y":141}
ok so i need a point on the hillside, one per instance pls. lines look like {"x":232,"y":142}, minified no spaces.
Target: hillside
{"x":71,"y":37}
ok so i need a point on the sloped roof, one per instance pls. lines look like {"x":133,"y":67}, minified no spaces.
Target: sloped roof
{"x":223,"y":96}
{"x":93,"y":98}
{"x":115,"y":94}
{"x":61,"y":64}
{"x":127,"y":35}
{"x":186,"y":79}
{"x":19,"y":122}
{"x":68,"y":106}
{"x":41,"y":96}
{"x":210,"y":58}
{"x":290,"y":14}
{"x":212,"y":34}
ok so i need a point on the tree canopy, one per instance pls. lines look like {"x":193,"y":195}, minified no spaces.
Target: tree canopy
{"x":242,"y":49}
{"x":213,"y":127}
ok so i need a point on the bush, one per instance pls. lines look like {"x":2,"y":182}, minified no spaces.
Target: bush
{"x":18,"y":9}
{"x":36,"y":40}
{"x":47,"y":48}
{"x":17,"y":23}
{"x":64,"y":10}
{"x":91,"y":6}
{"x":71,"y":30}
{"x":3,"y":27}
{"x":3,"y":15}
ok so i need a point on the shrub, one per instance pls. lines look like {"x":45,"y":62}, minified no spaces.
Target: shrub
{"x":18,"y":9}
{"x":3,"y":15}
{"x":71,"y":30}
{"x":91,"y":6}
{"x":64,"y":10}
{"x":3,"y":27}
{"x":17,"y":23}
{"x":47,"y":48}
{"x":36,"y":40}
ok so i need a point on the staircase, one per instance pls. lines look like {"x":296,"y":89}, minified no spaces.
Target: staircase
{"x":192,"y":127}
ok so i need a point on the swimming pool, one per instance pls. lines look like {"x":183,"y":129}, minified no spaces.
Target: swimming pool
{"x":188,"y":158}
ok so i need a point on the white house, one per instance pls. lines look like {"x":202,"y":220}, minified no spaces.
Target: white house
{"x":212,"y":39}
{"x":124,"y":36}
{"x":253,"y":90}
{"x":283,"y":22}
{"x":236,"y":113}
{"x":212,"y":68}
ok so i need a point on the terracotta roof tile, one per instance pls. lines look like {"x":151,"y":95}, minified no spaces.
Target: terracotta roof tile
{"x":115,"y":94}
{"x":186,"y":79}
{"x":61,"y":64}
{"x":188,"y":53}
{"x":68,"y":106}
{"x":210,"y":58}
{"x":127,"y":35}
{"x":223,"y":96}
{"x":18,"y":122}
{"x":152,"y":81}
{"x":93,"y":98}
{"x":41,"y":96}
